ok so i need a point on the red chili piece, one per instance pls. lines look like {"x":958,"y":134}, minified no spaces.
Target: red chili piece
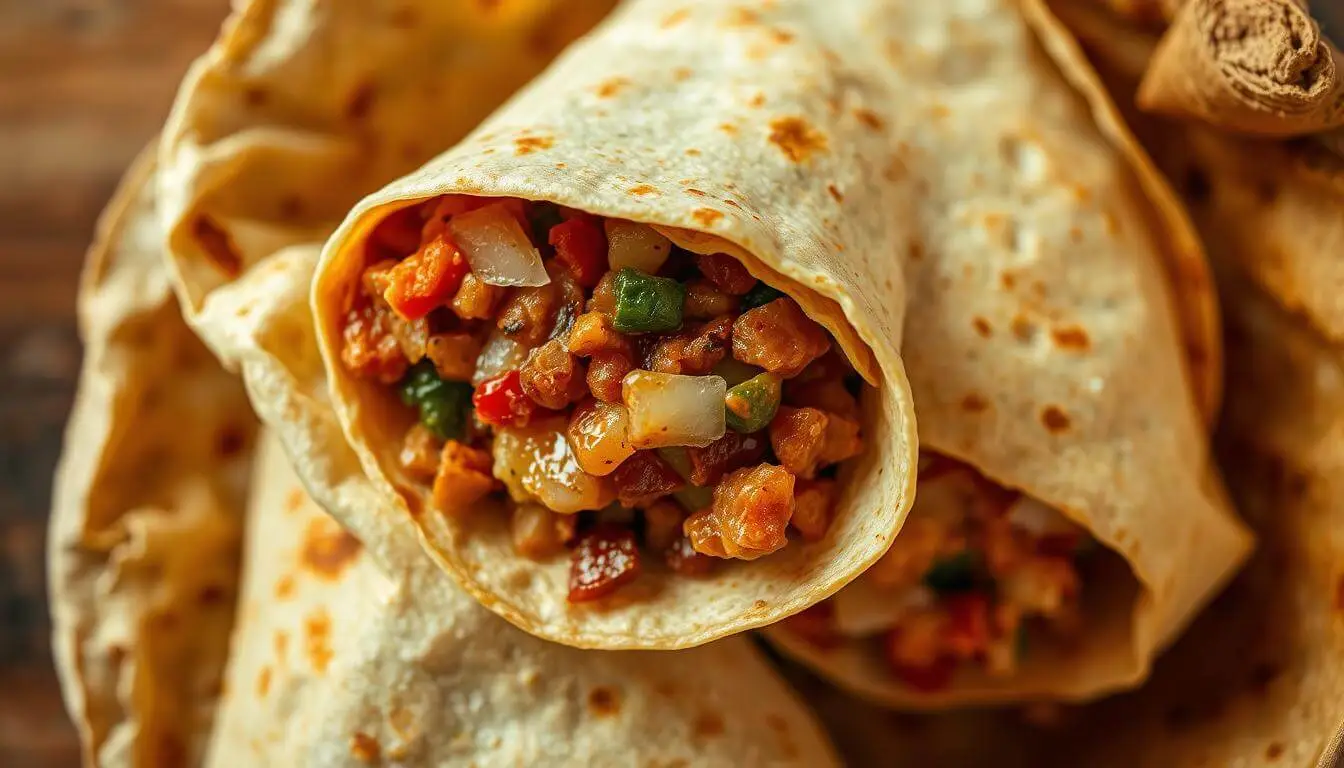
{"x":605,"y":558}
{"x":501,"y":401}
{"x":581,"y":245}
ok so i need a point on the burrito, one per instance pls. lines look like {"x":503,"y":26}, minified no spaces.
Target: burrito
{"x":1067,"y":522}
{"x":146,"y":516}
{"x":638,"y":381}
{"x":338,"y":662}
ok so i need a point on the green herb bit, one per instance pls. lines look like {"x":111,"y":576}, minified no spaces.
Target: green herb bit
{"x":760,"y":295}
{"x":957,"y":573}
{"x":645,"y":303}
{"x":443,"y":405}
{"x":752,"y":404}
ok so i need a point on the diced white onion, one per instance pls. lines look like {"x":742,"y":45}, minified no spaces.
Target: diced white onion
{"x":864,"y":608}
{"x":667,"y":409}
{"x":536,"y":463}
{"x":497,"y":248}
{"x":499,"y":354}
{"x":1038,"y":518}
{"x":635,"y":245}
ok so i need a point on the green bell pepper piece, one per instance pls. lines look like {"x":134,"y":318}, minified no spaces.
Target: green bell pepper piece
{"x":958,"y":573}
{"x":752,"y":404}
{"x":443,"y":405}
{"x":645,"y":303}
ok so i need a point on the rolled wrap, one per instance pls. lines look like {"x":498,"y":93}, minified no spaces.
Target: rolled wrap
{"x":1256,"y":67}
{"x":1042,"y":345}
{"x":339,"y":662}
{"x":768,"y":146}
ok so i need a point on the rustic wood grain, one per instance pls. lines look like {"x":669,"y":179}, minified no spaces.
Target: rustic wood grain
{"x":84,"y":84}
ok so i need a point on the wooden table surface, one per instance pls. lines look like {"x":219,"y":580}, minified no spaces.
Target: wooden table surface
{"x":84,"y":84}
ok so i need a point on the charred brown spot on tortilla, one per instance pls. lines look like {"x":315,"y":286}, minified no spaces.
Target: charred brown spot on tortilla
{"x":212,"y":594}
{"x":1024,"y":329}
{"x":317,"y":640}
{"x":1071,"y":337}
{"x":973,"y":403}
{"x":359,"y":104}
{"x":728,"y":128}
{"x":896,"y":169}
{"x":835,"y":193}
{"x":256,"y":96}
{"x":676,"y":17}
{"x":981,"y":326}
{"x":1075,"y":234}
{"x":1055,"y":419}
{"x":697,"y":192}
{"x":707,"y":725}
{"x":757,"y":101}
{"x":870,"y":119}
{"x":782,"y":36}
{"x":284,"y":587}
{"x":643,"y":189}
{"x":328,"y":548}
{"x":681,"y":74}
{"x":294,"y":500}
{"x":604,"y":701}
{"x":1274,"y":751}
{"x":281,"y":643}
{"x":741,"y":17}
{"x":796,"y":138}
{"x":939,"y":111}
{"x":365,"y":748}
{"x":706,"y":217}
{"x":524,"y":145}
{"x":218,"y":246}
{"x":611,"y":87}
{"x":1263,"y":674}
{"x":264,"y":682}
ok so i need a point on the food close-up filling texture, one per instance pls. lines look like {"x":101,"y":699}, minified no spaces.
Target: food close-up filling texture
{"x":641,"y":407}
{"x":978,"y":576}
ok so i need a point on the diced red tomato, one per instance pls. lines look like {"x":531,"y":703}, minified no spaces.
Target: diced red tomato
{"x":501,"y":401}
{"x":581,"y":245}
{"x":605,"y":558}
{"x":968,"y":632}
{"x":426,"y":279}
{"x":930,"y":679}
{"x":643,"y":478}
{"x":815,"y":626}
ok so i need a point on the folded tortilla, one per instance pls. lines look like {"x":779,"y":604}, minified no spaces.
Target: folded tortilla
{"x":298,"y":111}
{"x":1048,"y":256}
{"x":769,"y":146}
{"x":339,"y":662}
{"x":147,"y":509}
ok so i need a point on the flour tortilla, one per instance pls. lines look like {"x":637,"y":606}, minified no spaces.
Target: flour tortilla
{"x":768,"y":144}
{"x":299,"y":109}
{"x":346,"y":651}
{"x":1042,"y":216}
{"x":145,"y":522}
